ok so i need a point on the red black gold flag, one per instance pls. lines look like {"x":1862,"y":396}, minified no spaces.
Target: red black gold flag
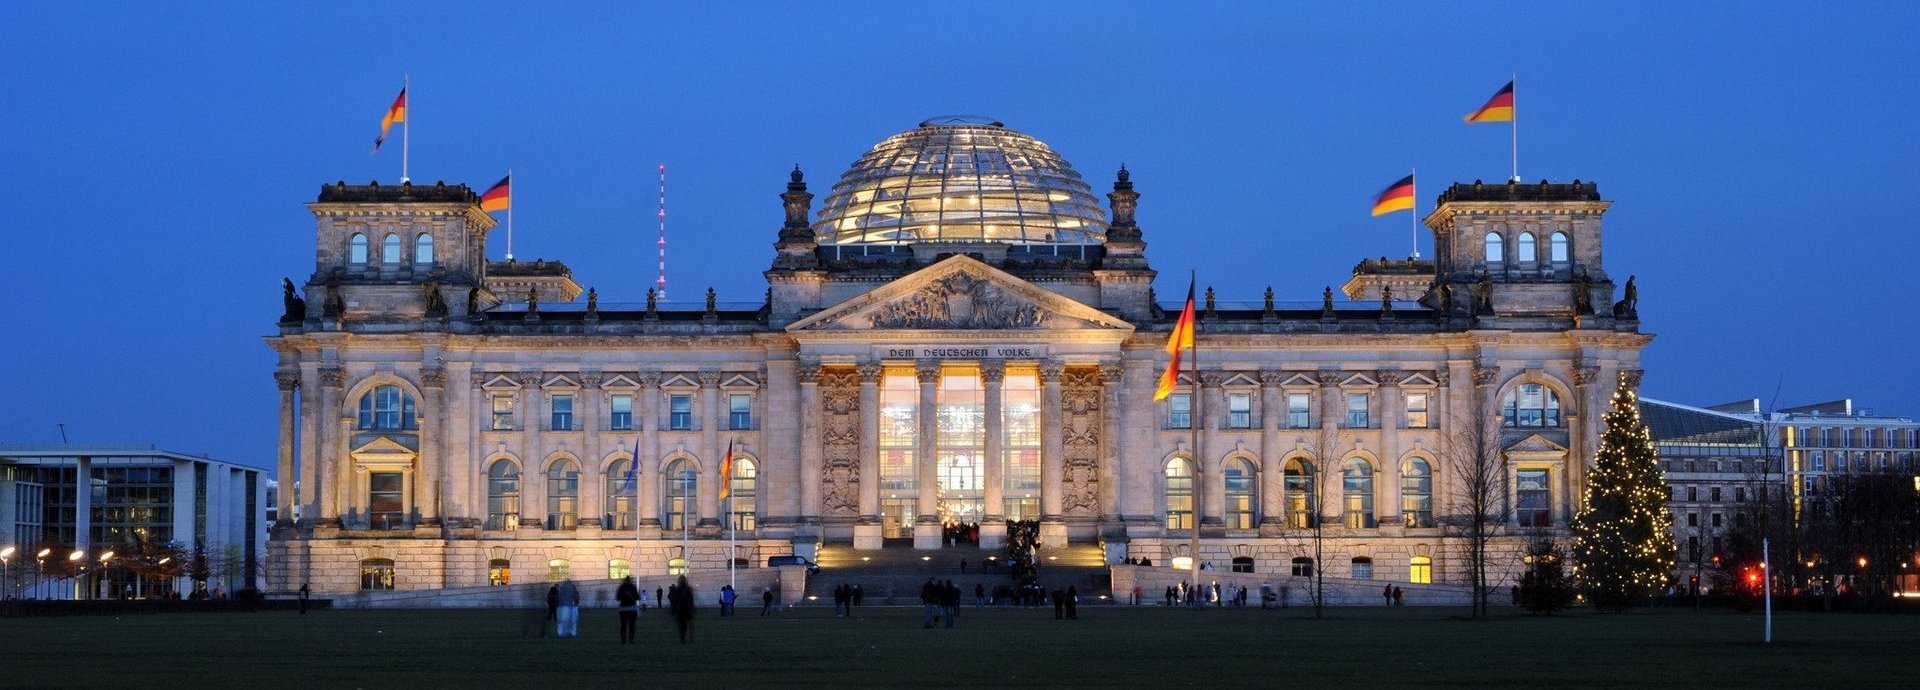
{"x":395,"y":115}
{"x":1498,"y":109}
{"x":1180,"y":339}
{"x":1397,"y":197}
{"x":497,"y":197}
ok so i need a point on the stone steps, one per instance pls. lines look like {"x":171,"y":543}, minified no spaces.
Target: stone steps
{"x":894,"y":576}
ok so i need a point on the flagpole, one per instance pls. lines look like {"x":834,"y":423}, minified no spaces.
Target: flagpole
{"x":636,"y":502}
{"x":1513,"y":98}
{"x":509,"y":214}
{"x":406,"y":125}
{"x":732,"y":546}
{"x":1193,"y":442}
{"x":1414,"y":189}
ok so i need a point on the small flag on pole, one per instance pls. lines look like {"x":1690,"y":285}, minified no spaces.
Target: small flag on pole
{"x":726,"y":473}
{"x":1180,"y":339}
{"x":499,"y":196}
{"x":1498,"y":109}
{"x":1397,"y":197}
{"x":395,"y":115}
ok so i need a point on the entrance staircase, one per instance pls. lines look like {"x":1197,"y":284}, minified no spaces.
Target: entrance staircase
{"x":894,"y":575}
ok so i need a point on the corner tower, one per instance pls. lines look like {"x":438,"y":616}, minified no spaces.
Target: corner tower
{"x":1522,"y":253}
{"x":397,"y":253}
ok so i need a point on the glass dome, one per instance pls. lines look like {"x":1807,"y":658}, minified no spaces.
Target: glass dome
{"x":961,"y":179}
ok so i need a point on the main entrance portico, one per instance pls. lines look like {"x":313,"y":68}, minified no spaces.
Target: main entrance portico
{"x":944,"y":405}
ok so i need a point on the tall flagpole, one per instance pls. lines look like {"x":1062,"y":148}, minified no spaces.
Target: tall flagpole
{"x":1193,"y":442}
{"x":1514,"y":98}
{"x":636,"y":501}
{"x":406,"y":126}
{"x":509,"y":214}
{"x":1415,"y":191}
{"x":732,"y":549}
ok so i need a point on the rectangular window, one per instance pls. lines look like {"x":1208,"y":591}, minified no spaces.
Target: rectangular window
{"x":680,"y":412}
{"x":1716,"y":519}
{"x":739,"y":412}
{"x":1819,"y":461}
{"x":1180,"y":411}
{"x":1357,"y":411}
{"x":1693,"y":519}
{"x":1416,"y":410}
{"x":1839,"y":462}
{"x":1693,"y":493}
{"x":1362,"y":568}
{"x":386,"y":506}
{"x":1240,"y":410}
{"x":622,"y":416}
{"x":563,"y":413}
{"x":1533,"y":498}
{"x":899,"y":435}
{"x":1297,"y":415}
{"x":1740,"y":494}
{"x":502,"y":413}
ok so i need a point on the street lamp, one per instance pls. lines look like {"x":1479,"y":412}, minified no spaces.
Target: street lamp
{"x":6,"y":555}
{"x":102,"y":577}
{"x":39,"y":571}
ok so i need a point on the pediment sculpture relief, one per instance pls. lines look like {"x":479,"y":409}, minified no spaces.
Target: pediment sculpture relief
{"x":960,"y":300}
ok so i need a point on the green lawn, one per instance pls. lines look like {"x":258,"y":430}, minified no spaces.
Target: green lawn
{"x":1352,"y":648}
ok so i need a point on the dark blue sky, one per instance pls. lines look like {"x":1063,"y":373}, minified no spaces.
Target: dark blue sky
{"x":156,"y":160}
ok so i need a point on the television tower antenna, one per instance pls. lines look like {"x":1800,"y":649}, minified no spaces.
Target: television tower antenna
{"x":660,"y":284}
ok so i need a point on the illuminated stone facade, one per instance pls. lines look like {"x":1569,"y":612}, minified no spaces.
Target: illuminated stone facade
{"x":893,"y":381}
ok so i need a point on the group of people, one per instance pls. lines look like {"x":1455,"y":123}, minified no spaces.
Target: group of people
{"x":845,"y":597}
{"x":1394,"y":595}
{"x":1213,"y":593}
{"x":960,"y":534}
{"x":940,"y":600}
{"x":563,"y":607}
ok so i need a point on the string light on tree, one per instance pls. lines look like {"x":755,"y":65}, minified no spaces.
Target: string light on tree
{"x":1623,"y":548}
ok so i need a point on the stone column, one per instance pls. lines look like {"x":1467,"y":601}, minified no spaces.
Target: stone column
{"x":472,"y":411}
{"x":1052,"y":453}
{"x":1386,"y":491}
{"x":866,"y":532}
{"x":1112,"y":480}
{"x":926,"y":527}
{"x":811,"y":463}
{"x":1586,"y":380}
{"x":592,"y":504}
{"x":993,"y":525}
{"x":433,"y":409}
{"x":1211,"y":480}
{"x":1326,"y":473}
{"x":307,"y":494}
{"x":1140,"y":456}
{"x":711,"y":449}
{"x":1273,"y":419}
{"x":646,"y":402}
{"x":1484,"y":377}
{"x":288,"y":382}
{"x":533,"y":478}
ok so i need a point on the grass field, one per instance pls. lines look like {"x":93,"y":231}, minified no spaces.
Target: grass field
{"x":1107,"y":647}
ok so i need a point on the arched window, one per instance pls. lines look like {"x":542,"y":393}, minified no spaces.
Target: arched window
{"x":1242,"y":496}
{"x":1357,"y":487}
{"x":499,"y":572}
{"x":1416,"y":494}
{"x":387,"y":408}
{"x":1531,"y":405}
{"x":619,"y":569}
{"x":559,"y":569}
{"x":1420,"y":570}
{"x":1495,"y":252}
{"x":1557,"y":247}
{"x":1179,"y":494}
{"x":741,"y":494}
{"x":681,"y":482}
{"x":1302,"y":566}
{"x":423,"y":250}
{"x":622,"y":483}
{"x":1362,"y":568}
{"x":357,"y":249}
{"x":1523,"y":250}
{"x":563,"y":495}
{"x":376,"y":573}
{"x":390,"y":250}
{"x":503,"y":496}
{"x":1302,"y":512}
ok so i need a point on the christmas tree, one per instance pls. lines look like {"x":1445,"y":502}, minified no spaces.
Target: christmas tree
{"x":1623,"y":535}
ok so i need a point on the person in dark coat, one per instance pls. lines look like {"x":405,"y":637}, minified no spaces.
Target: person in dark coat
{"x":680,"y":602}
{"x":950,"y":601}
{"x":1059,"y":605}
{"x":553,"y":608}
{"x":766,"y":601}
{"x":629,"y":597}
{"x":1073,"y":603}
{"x":305,"y":594}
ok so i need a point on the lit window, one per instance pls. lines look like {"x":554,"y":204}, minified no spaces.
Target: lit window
{"x":357,"y":250}
{"x":1240,"y":410}
{"x":387,"y":408}
{"x":1531,"y":405}
{"x":680,"y":412}
{"x":499,"y":572}
{"x":386,"y":503}
{"x":619,"y":569}
{"x":1420,"y":570}
{"x":741,"y":497}
{"x":1557,"y":247}
{"x":622,"y":413}
{"x":1416,"y":494}
{"x":562,"y":413}
{"x":563,"y":495}
{"x":676,"y":566}
{"x":1357,"y":488}
{"x":681,"y":482}
{"x":1523,"y":250}
{"x":1533,"y":498}
{"x":376,"y":574}
{"x":1416,"y":410}
{"x":1180,"y":411}
{"x":423,"y":250}
{"x":1242,"y":494}
{"x":622,"y":483}
{"x":1297,"y":416}
{"x":1298,"y":486}
{"x":1357,"y":411}
{"x":503,"y":496}
{"x":559,"y":569}
{"x":390,"y":250}
{"x":1179,"y":494}
{"x":1362,"y":568}
{"x":1495,"y":252}
{"x":740,"y":412}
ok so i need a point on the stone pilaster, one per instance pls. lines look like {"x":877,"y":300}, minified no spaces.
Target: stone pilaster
{"x":1113,"y":482}
{"x":331,"y":443}
{"x":810,"y":458}
{"x":926,"y":528}
{"x":1273,"y":414}
{"x":1209,"y":480}
{"x":1052,"y":453}
{"x":647,"y":408}
{"x":1386,"y":493}
{"x":711,"y":450}
{"x":533,"y":477}
{"x":866,"y":531}
{"x":993,"y":527}
{"x":433,"y":412}
{"x":288,"y":383}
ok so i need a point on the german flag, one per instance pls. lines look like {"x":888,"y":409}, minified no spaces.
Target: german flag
{"x":1180,"y":339}
{"x":726,"y":473}
{"x":395,"y":115}
{"x":497,"y":197}
{"x":1498,"y":109}
{"x":1398,"y":197}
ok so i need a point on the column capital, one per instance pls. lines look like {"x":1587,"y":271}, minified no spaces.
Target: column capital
{"x":434,"y":377}
{"x":1441,"y":377}
{"x":528,"y":379}
{"x":1388,"y":377}
{"x":1212,"y":379}
{"x":869,"y":371}
{"x":1328,"y":379}
{"x":1586,"y":374}
{"x":807,"y":372}
{"x":1051,"y":370}
{"x":1485,"y":375}
{"x":708,"y":379}
{"x":1272,"y":378}
{"x":993,"y":371}
{"x":591,"y":379}
{"x":1111,"y":371}
{"x":647,"y":379}
{"x":332,"y":376}
{"x":1631,"y":377}
{"x":286,"y":380}
{"x":927,"y":371}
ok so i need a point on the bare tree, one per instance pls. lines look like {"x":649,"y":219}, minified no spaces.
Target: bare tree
{"x":1478,"y":511}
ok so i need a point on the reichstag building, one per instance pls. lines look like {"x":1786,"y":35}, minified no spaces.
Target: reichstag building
{"x":962,"y":332}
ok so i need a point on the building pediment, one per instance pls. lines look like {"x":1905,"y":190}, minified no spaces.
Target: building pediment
{"x":383,"y":453}
{"x":1536,"y":445}
{"x":960,"y":293}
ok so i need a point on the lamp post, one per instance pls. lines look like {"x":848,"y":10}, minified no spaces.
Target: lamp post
{"x":78,"y":558}
{"x":106,"y":587}
{"x":6,"y":563}
{"x":40,"y":572}
{"x":1862,"y":577}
